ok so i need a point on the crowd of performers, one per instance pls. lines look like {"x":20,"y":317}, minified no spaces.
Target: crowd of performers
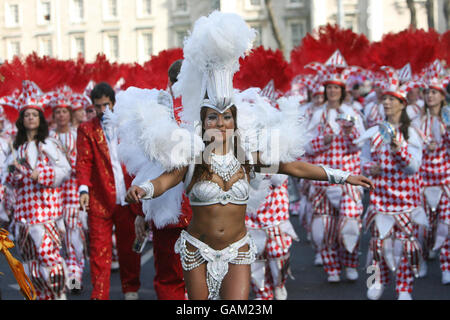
{"x":63,"y":187}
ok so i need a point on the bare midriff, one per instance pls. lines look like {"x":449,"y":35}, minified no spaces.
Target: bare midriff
{"x":218,"y":225}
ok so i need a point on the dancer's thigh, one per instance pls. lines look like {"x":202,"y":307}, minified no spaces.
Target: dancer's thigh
{"x":195,"y":281}
{"x":236,"y":284}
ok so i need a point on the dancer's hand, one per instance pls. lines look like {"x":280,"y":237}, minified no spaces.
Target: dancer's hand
{"x":360,"y":181}
{"x":395,"y":145}
{"x":432,"y":146}
{"x":84,"y":201}
{"x":34,"y":175}
{"x":375,"y":170}
{"x":134,"y":194}
{"x":139,"y":227}
{"x":327,"y":139}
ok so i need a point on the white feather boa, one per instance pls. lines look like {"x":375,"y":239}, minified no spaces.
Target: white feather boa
{"x":147,"y":128}
{"x":151,"y":142}
{"x":280,"y":134}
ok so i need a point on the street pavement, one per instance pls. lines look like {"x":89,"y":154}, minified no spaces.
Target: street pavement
{"x":308,"y":283}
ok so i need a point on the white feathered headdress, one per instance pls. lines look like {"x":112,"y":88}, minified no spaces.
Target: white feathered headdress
{"x":211,"y":58}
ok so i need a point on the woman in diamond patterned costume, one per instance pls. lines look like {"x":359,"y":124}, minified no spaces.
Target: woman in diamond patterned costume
{"x":216,"y":170}
{"x":37,"y":168}
{"x":392,"y":156}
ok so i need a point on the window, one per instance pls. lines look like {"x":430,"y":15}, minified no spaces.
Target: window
{"x":145,"y":46}
{"x":144,"y":8}
{"x":215,"y":5}
{"x":258,"y":40}
{"x":13,"y":48}
{"x":254,"y":4}
{"x":45,"y":46}
{"x":12,"y":15}
{"x":349,"y":23}
{"x":44,"y":12}
{"x":111,"y":9}
{"x":295,"y":3}
{"x":147,"y":7}
{"x":112,"y":46}
{"x":78,"y":46}
{"x":77,"y":12}
{"x":181,"y":5}
{"x":180,"y":35}
{"x":298,"y":31}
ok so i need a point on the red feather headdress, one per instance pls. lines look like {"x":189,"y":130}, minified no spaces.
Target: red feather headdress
{"x":419,"y":48}
{"x":261,"y":67}
{"x":321,"y":44}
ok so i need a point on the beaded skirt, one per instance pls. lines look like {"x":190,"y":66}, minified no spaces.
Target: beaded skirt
{"x":216,"y":260}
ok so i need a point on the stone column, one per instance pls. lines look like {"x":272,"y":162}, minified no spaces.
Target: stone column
{"x":375,"y":23}
{"x":318,"y":13}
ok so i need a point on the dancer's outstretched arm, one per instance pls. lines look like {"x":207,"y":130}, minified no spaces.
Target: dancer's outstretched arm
{"x":157,"y":187}
{"x":309,"y":171}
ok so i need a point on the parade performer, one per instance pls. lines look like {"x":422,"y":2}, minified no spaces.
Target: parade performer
{"x":216,"y":251}
{"x":90,"y":109}
{"x":102,"y":187}
{"x":435,"y":170}
{"x":62,"y":102}
{"x":392,"y":154}
{"x":373,"y":109}
{"x":80,"y":103}
{"x":37,"y":168}
{"x":337,"y":210}
{"x":270,"y":227}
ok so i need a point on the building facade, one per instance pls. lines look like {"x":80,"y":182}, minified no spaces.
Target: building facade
{"x":133,"y":30}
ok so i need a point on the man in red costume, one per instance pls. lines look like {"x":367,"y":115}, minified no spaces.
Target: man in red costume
{"x":103,"y":183}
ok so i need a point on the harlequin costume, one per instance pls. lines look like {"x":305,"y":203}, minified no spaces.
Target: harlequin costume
{"x":39,"y":227}
{"x":337,"y":210}
{"x":435,"y":174}
{"x":273,"y":232}
{"x":75,"y":220}
{"x":395,"y":210}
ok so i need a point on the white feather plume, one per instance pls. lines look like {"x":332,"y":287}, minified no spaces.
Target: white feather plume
{"x":151,"y":142}
{"x":281,"y":134}
{"x":216,"y":43}
{"x":145,"y":126}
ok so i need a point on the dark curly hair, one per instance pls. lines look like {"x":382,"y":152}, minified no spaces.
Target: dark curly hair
{"x":21,"y":136}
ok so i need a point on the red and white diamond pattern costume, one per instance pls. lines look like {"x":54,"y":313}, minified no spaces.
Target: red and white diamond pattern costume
{"x":273,"y":233}
{"x":374,"y":114}
{"x":39,"y":229}
{"x":75,"y":240}
{"x":337,"y":209}
{"x":435,"y":174}
{"x":395,"y":211}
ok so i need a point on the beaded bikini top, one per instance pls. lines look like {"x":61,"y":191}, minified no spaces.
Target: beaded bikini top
{"x":206,"y":193}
